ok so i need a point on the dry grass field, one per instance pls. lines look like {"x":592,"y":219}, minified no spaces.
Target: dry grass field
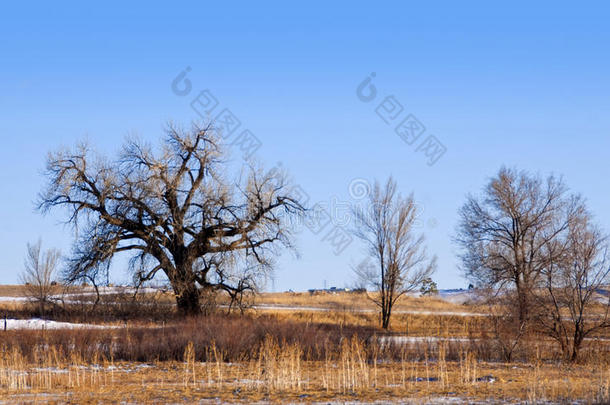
{"x":290,"y":347}
{"x":282,"y":377}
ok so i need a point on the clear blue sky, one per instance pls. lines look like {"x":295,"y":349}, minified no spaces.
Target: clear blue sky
{"x":521,"y":84}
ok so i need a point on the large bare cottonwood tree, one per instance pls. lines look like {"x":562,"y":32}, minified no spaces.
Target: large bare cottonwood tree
{"x":176,"y":209}
{"x":386,"y":226}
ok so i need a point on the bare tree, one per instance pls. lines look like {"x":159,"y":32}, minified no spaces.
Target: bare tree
{"x":175,"y":209}
{"x":386,"y":226}
{"x":569,"y":308}
{"x":38,"y":274}
{"x":505,"y":234}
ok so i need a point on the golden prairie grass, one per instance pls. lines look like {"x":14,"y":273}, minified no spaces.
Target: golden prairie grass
{"x":353,"y":300}
{"x":428,"y":324}
{"x":20,"y":290}
{"x":417,"y":316}
{"x":214,"y":359}
{"x":277,"y":371}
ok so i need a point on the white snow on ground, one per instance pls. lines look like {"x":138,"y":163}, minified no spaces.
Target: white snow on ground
{"x":36,"y":323}
{"x":116,"y":290}
{"x":361,"y":310}
{"x":90,"y":291}
{"x":11,"y":299}
{"x":422,"y":339}
{"x":443,"y":313}
{"x":86,"y":292}
{"x":458,"y":296}
{"x":454,"y":296}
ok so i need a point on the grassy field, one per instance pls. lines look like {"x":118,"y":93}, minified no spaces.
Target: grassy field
{"x":290,"y":347}
{"x":283,"y":378}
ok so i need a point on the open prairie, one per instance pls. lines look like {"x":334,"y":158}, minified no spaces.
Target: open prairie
{"x":179,"y":180}
{"x":287,"y":347}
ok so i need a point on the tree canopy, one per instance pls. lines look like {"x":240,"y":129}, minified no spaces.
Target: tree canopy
{"x":175,"y":209}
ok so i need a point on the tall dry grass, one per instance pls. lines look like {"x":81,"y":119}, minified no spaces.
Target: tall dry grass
{"x":276,"y":368}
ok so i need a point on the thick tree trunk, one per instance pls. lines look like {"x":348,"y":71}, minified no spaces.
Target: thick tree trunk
{"x":187,"y":293}
{"x":188,"y":300}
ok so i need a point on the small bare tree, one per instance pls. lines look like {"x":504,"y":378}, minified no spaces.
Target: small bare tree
{"x":386,"y":227}
{"x":175,"y":209}
{"x":569,"y":308}
{"x":40,"y":268}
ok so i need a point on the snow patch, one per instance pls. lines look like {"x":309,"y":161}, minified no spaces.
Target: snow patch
{"x":35,"y":323}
